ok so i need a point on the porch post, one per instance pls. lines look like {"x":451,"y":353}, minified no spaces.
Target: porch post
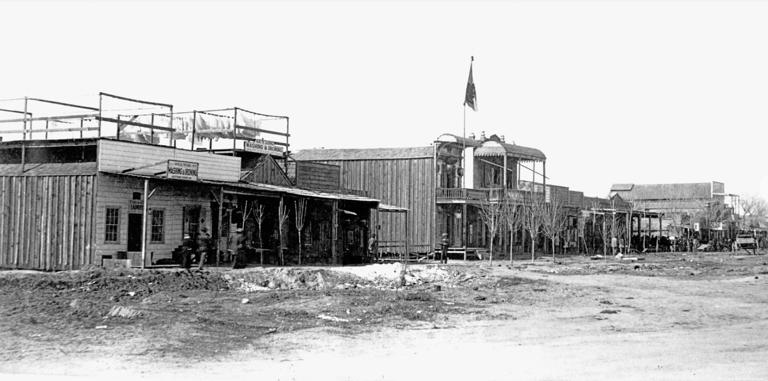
{"x":544,"y":179}
{"x":659,"y":237}
{"x":218,"y":230}
{"x":504,"y":177}
{"x":334,"y":231}
{"x":464,"y":227}
{"x":407,"y":254}
{"x":144,"y":224}
{"x":628,"y":240}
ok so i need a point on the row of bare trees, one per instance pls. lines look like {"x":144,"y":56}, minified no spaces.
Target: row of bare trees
{"x":533,"y":215}
{"x":256,"y":211}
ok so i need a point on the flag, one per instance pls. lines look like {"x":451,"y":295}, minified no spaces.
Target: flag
{"x":470,"y":99}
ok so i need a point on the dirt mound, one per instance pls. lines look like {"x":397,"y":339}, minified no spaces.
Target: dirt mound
{"x":381,"y":276}
{"x":85,"y":297}
{"x":262,"y":279}
{"x":118,"y":281}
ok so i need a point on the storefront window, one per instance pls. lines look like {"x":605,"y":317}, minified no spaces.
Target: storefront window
{"x":158,"y":223}
{"x":112,"y":225}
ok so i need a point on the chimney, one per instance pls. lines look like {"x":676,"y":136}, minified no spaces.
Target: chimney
{"x":502,"y":138}
{"x":482,"y":135}
{"x":472,"y":135}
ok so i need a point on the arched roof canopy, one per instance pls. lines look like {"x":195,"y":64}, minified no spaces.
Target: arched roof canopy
{"x":494,"y":147}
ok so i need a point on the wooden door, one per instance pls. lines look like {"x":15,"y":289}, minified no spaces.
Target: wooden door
{"x":134,"y":232}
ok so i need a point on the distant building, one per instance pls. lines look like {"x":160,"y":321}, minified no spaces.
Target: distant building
{"x":685,"y":206}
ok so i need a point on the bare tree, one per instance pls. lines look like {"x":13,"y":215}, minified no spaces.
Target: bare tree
{"x":490,"y":212}
{"x":282,"y":226}
{"x":754,"y":207}
{"x":532,"y":216}
{"x":300,"y":207}
{"x":259,"y":218}
{"x":513,"y":216}
{"x":553,"y":220}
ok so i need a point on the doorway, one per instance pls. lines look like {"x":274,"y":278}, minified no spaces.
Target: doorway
{"x":134,"y":231}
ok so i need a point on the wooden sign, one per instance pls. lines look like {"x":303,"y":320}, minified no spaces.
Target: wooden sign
{"x":137,"y":205}
{"x":263,"y":146}
{"x":182,"y":170}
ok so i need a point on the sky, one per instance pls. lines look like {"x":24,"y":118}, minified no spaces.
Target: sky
{"x":610,"y":91}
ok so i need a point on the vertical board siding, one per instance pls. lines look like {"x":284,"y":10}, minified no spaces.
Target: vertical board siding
{"x":401,"y":182}
{"x":44,"y":221}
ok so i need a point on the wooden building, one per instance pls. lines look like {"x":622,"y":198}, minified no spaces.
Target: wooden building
{"x":444,"y":186}
{"x":396,"y":176}
{"x":137,"y":193}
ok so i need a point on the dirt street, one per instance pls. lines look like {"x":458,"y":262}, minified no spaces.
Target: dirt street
{"x":669,"y":316}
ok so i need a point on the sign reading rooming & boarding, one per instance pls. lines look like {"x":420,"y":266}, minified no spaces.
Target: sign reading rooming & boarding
{"x":182,"y":170}
{"x":263,"y":146}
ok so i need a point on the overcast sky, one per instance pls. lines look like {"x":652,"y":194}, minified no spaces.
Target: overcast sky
{"x":611,"y":91}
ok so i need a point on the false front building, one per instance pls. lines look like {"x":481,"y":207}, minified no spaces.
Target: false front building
{"x":83,"y":187}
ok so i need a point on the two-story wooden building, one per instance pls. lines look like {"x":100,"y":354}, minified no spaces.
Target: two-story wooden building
{"x":445,"y":184}
{"x":79,"y":187}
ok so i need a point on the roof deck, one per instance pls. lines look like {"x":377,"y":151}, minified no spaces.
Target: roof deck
{"x":127,"y":119}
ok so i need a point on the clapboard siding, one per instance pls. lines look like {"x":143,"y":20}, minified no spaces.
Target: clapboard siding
{"x":401,"y":182}
{"x":116,"y":156}
{"x":46,"y":221}
{"x":117,"y":191}
{"x":317,"y":176}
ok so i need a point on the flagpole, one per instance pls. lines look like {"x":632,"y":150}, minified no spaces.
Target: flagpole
{"x":464,"y":148}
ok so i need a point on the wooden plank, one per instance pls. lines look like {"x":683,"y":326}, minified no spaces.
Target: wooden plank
{"x":70,"y":222}
{"x":89,"y":219}
{"x":83,"y":214}
{"x":59,"y":228}
{"x":64,"y":201}
{"x":20,"y":234}
{"x":13,"y":236}
{"x":73,"y":218}
{"x":77,"y":250}
{"x":3,"y":218}
{"x":46,"y":220}
{"x":34,"y":253}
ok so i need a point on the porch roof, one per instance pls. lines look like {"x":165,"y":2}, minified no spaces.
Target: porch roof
{"x":269,"y":188}
{"x":494,"y":148}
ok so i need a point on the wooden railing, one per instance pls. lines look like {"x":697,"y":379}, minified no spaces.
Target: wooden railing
{"x":491,"y":194}
{"x":462,"y":194}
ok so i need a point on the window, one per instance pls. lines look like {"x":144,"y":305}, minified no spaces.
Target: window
{"x":158,"y":223}
{"x":137,"y":195}
{"x":112,"y":225}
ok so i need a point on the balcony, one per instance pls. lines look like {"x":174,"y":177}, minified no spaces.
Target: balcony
{"x":464,"y":195}
{"x":461,"y":195}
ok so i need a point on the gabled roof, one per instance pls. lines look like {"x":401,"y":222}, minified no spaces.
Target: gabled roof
{"x":663,"y":191}
{"x":497,"y":148}
{"x":364,"y":154}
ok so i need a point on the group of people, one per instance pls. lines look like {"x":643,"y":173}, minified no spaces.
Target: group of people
{"x":200,"y":247}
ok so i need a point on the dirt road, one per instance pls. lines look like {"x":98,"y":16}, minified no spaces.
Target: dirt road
{"x":541,"y":326}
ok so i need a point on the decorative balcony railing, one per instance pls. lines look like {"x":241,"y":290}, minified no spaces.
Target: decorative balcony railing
{"x":482,"y":195}
{"x":462,"y":194}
